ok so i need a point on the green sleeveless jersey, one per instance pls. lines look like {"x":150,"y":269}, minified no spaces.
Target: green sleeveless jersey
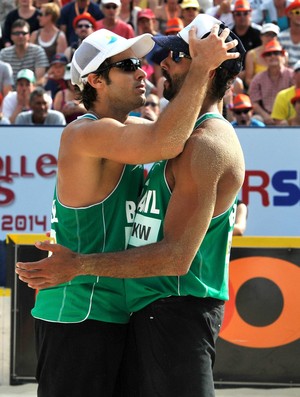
{"x":101,"y":227}
{"x":208,"y":274}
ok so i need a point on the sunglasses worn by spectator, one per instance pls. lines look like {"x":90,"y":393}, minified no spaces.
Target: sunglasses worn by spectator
{"x":86,"y":26}
{"x":296,"y":11}
{"x":276,"y":53}
{"x":242,"y":111}
{"x":241,"y":13}
{"x":178,"y":55}
{"x":110,"y":6}
{"x":152,"y":104}
{"x":19,"y":33}
{"x":127,"y":65}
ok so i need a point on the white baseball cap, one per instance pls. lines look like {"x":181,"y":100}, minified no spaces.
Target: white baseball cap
{"x":270,"y":27}
{"x":99,"y":46}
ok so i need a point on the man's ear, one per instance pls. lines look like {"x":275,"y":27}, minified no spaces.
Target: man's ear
{"x":95,"y":80}
{"x":211,"y":74}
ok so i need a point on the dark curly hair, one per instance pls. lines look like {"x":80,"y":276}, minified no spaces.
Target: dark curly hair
{"x":88,"y":96}
{"x":221,"y":82}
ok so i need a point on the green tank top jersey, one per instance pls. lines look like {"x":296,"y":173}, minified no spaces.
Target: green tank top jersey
{"x":101,"y":227}
{"x":208,"y":274}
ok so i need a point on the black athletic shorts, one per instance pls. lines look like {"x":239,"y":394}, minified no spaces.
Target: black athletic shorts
{"x":171,"y":348}
{"x":78,"y":360}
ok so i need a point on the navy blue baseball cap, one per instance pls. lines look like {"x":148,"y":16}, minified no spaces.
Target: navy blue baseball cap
{"x":204,"y":24}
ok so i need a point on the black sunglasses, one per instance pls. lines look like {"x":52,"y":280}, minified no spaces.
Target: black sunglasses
{"x":276,"y":53}
{"x":86,"y":26}
{"x":19,"y":33}
{"x":110,"y":6}
{"x":153,"y":104}
{"x":127,"y":65}
{"x":241,"y":13}
{"x":242,"y":111}
{"x":178,"y":55}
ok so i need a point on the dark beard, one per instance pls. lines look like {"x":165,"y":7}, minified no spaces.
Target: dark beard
{"x":169,"y":92}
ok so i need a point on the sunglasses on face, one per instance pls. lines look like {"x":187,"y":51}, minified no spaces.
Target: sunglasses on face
{"x":178,"y":55}
{"x":296,"y":11}
{"x":241,"y":13}
{"x":84,"y":26}
{"x":276,"y":53}
{"x":110,"y":6}
{"x":127,"y":65}
{"x":19,"y":33}
{"x":242,"y":111}
{"x":152,"y":104}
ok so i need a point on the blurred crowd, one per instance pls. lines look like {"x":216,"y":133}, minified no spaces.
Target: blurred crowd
{"x":38,"y":39}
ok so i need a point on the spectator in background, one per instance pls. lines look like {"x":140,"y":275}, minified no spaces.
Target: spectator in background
{"x":38,"y":3}
{"x":25,"y":10}
{"x":65,"y":100}
{"x":243,"y":26}
{"x":112,"y":21}
{"x":6,"y":79}
{"x":24,"y":55}
{"x":222,"y":10}
{"x":17,"y":101}
{"x":290,"y":38}
{"x":165,"y":11}
{"x":274,"y":11}
{"x":189,"y":10}
{"x":240,"y":219}
{"x":242,"y":110}
{"x":84,"y":24}
{"x":265,"y":85}
{"x":129,"y":11}
{"x":150,"y":110}
{"x":49,"y":37}
{"x":255,"y":62}
{"x":71,"y":10}
{"x":295,"y":101}
{"x":55,"y":76}
{"x":146,"y":24}
{"x":6,"y":6}
{"x":283,"y":110}
{"x":39,"y":113}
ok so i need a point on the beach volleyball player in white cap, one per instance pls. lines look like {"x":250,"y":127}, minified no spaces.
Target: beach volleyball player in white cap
{"x":81,"y":323}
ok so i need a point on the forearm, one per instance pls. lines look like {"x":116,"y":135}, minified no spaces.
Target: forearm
{"x":159,"y":259}
{"x":188,"y":104}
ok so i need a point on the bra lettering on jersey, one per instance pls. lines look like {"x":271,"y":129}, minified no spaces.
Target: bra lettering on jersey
{"x":130,"y":211}
{"x":144,"y":204}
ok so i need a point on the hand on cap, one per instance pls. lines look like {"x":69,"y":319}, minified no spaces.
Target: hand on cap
{"x":211,"y":51}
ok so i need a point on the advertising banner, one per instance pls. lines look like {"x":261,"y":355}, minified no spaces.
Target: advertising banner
{"x":28,"y":158}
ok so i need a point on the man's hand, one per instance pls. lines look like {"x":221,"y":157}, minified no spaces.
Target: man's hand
{"x":62,"y":266}
{"x":211,"y":51}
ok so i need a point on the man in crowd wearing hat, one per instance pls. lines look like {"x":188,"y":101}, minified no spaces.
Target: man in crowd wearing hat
{"x":283,"y":110}
{"x":112,"y":21}
{"x":254,"y":62}
{"x":55,"y":76}
{"x":17,"y":101}
{"x":242,"y":110}
{"x":71,"y":10}
{"x":23,"y":54}
{"x":84,"y":24}
{"x":39,"y":112}
{"x":265,"y":85}
{"x":290,"y":38}
{"x":248,"y":32}
{"x":176,"y":345}
{"x":189,"y":10}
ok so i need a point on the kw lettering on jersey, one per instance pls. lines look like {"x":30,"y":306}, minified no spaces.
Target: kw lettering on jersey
{"x":147,"y":203}
{"x":53,"y":213}
{"x":145,"y":231}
